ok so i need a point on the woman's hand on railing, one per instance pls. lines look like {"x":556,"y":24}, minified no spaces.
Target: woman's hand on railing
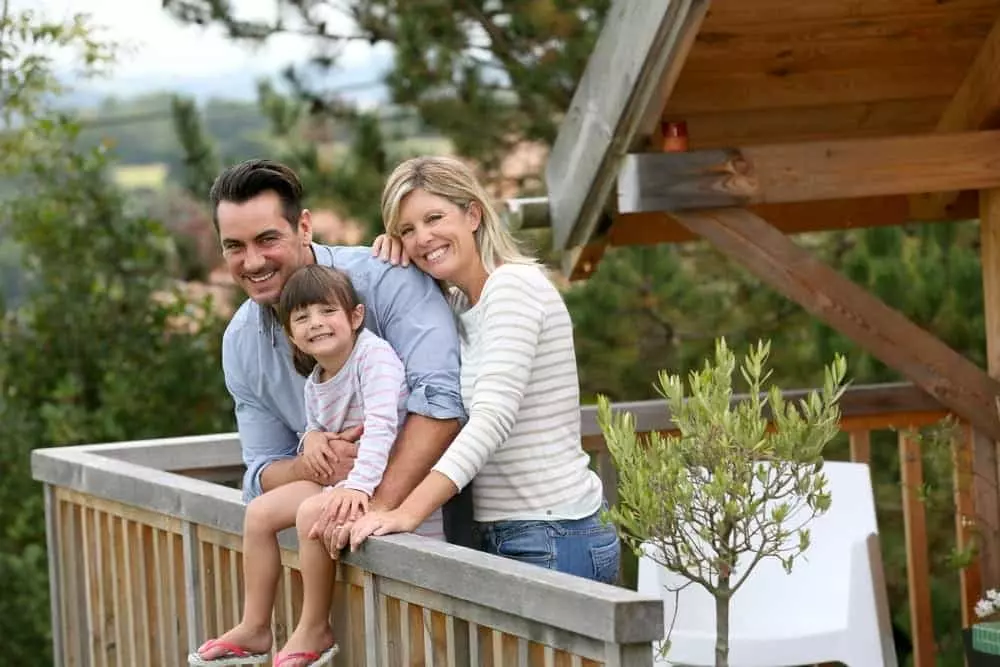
{"x":381,"y":523}
{"x":390,"y":250}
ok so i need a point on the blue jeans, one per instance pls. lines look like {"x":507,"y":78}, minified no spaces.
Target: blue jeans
{"x":585,"y":547}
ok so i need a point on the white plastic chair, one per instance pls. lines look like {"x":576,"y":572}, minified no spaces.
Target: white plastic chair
{"x":832,"y":607}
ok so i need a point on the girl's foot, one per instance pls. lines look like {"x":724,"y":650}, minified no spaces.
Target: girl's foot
{"x":251,"y":640}
{"x":305,"y":647}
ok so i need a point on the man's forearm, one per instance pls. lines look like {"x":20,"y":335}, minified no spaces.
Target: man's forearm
{"x":418,"y":447}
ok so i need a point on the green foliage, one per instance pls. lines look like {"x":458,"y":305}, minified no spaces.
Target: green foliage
{"x":486,"y":75}
{"x":101,"y":345}
{"x":726,"y":492}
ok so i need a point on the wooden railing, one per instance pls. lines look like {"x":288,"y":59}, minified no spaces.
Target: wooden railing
{"x":902,"y":409}
{"x":145,"y":560}
{"x":145,"y":564}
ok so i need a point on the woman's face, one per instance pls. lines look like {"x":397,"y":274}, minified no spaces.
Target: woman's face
{"x":438,"y":235}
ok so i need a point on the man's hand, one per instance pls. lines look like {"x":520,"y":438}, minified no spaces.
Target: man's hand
{"x":328,"y":458}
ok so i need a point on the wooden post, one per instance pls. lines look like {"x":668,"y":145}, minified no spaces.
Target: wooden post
{"x":984,"y":451}
{"x":917,"y":558}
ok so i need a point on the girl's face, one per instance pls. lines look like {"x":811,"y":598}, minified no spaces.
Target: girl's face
{"x":325,"y":331}
{"x":438,"y":235}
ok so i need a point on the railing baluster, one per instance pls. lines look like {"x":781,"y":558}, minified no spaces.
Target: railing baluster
{"x":163,"y":621}
{"x":428,"y":634}
{"x":53,"y":534}
{"x":372,"y":615}
{"x":128,"y":599}
{"x":917,"y":563}
{"x":860,"y":443}
{"x":192,"y":584}
{"x":404,"y":632}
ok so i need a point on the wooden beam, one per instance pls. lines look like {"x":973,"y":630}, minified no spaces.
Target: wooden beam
{"x":986,"y":480}
{"x":809,"y":171}
{"x":884,"y":332}
{"x":975,"y":106}
{"x":526,"y":213}
{"x":793,"y":218}
{"x":631,"y":72}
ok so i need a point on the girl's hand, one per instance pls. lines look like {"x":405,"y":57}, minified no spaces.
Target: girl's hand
{"x":316,"y":455}
{"x":390,"y":250}
{"x":381,"y":523}
{"x":352,"y":504}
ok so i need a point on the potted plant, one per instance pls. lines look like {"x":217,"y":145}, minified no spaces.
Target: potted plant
{"x":982,"y":640}
{"x":695,"y":494}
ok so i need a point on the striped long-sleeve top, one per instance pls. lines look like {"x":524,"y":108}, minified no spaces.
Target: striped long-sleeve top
{"x":370,"y":390}
{"x":521,"y":391}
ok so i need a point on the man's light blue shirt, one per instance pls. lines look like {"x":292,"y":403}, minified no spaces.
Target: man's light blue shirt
{"x":402,"y":305}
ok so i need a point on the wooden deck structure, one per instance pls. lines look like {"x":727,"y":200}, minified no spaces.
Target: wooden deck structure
{"x":145,"y":560}
{"x":801,"y":116}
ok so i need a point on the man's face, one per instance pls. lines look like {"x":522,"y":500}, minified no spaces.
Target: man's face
{"x":260,"y":247}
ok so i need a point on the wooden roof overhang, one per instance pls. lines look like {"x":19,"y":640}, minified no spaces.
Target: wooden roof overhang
{"x":802,"y":115}
{"x":746,"y":73}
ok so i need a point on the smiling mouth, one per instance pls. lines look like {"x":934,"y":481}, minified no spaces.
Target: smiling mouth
{"x":435,"y":255}
{"x":261,"y":278}
{"x":319,"y":337}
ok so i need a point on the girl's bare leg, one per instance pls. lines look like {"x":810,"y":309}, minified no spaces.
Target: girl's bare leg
{"x":266,"y":515}
{"x":313,"y":633}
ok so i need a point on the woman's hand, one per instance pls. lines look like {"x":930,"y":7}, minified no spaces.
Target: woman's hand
{"x":381,"y":523}
{"x":390,"y":250}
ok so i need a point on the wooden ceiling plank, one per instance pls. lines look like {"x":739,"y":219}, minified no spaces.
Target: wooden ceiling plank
{"x":840,"y":121}
{"x":746,"y":91}
{"x":727,"y":13}
{"x":896,"y":40}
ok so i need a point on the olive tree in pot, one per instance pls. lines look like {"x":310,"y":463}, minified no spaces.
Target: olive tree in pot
{"x":737,"y":482}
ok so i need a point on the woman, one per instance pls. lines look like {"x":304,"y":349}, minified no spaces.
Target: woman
{"x":535,"y":498}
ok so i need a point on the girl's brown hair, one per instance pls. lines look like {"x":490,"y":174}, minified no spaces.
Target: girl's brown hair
{"x":312,"y":284}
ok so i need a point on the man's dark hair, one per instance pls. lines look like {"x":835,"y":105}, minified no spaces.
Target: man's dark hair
{"x":242,"y":182}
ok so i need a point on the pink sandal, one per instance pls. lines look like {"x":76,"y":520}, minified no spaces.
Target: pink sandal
{"x":315,"y":659}
{"x":234,"y":655}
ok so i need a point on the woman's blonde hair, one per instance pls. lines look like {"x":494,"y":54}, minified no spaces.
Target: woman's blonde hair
{"x":451,"y":179}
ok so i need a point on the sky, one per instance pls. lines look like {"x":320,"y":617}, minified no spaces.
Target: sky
{"x":161,"y":53}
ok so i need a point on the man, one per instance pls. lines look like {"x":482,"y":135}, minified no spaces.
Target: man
{"x":265,"y":236}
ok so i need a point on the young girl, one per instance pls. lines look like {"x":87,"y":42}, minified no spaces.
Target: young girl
{"x":536,"y":499}
{"x":353,"y":377}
